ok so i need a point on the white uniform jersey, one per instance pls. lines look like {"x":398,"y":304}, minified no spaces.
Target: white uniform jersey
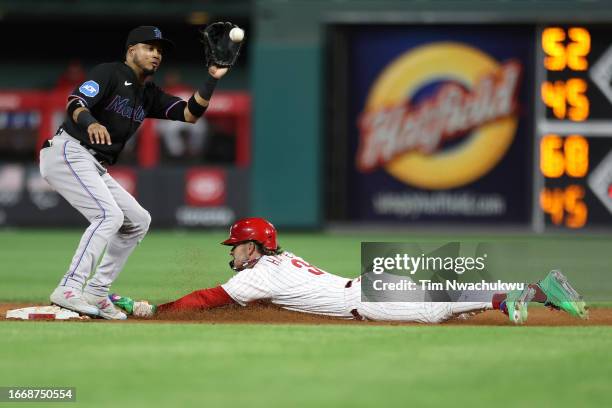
{"x":291,"y":283}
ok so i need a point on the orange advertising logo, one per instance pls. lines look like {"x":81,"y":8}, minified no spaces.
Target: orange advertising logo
{"x":477,"y":107}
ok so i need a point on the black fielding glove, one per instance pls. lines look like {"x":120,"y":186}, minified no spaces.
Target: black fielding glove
{"x":220,"y":50}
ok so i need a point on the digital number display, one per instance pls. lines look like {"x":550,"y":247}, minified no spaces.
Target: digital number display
{"x":560,"y":156}
{"x":575,"y":134}
{"x":565,"y":206}
{"x":567,"y":99}
{"x":576,"y":71}
{"x":566,"y":48}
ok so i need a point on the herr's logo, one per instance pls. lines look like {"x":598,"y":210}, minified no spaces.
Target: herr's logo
{"x":157,"y":33}
{"x":90,"y":88}
{"x":122,"y":107}
{"x":439,"y":116}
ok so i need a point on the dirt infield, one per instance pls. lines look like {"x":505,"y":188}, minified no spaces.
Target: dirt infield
{"x":268,"y":314}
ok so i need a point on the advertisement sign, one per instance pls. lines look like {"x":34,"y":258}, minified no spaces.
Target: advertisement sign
{"x":175,"y":197}
{"x":440,"y":124}
{"x":205,"y":187}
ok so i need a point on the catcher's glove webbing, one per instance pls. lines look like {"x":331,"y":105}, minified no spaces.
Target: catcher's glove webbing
{"x":220,"y":49}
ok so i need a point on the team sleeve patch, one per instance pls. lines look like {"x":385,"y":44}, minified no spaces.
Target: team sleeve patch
{"x":89,"y":88}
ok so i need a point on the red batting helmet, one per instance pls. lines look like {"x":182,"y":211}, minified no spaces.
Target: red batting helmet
{"x":253,"y":229}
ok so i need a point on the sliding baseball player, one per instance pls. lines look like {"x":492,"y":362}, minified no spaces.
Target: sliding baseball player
{"x":266,"y":272}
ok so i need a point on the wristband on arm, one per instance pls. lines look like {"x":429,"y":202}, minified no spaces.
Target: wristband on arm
{"x":74,"y":104}
{"x":207,"y":89}
{"x":85,"y":119}
{"x":195,"y":108}
{"x":205,"y":92}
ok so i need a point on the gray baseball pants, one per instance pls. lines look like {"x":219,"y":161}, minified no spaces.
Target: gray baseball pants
{"x":117,"y":222}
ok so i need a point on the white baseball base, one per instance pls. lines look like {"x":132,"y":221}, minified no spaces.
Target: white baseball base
{"x":43,"y":313}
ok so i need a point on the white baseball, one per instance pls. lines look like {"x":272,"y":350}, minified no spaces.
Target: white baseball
{"x":236,"y":34}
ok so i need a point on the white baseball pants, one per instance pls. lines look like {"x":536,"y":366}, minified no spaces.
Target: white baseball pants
{"x":422,"y":312}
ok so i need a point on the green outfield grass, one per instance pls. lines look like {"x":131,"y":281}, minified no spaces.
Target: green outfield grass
{"x":167,"y":264}
{"x":180,"y":365}
{"x":170,"y":365}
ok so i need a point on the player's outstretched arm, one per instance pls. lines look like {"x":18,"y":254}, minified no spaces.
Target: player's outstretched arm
{"x":198,"y":300}
{"x":221,"y":49}
{"x":197,"y":104}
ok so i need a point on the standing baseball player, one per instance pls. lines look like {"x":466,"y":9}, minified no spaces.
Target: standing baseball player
{"x":102,"y":114}
{"x":265,"y":272}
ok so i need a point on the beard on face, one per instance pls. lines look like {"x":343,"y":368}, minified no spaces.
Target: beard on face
{"x":141,"y":65}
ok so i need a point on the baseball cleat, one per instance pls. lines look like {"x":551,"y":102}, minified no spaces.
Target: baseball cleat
{"x":72,"y":299}
{"x":561,"y":295}
{"x":105,"y":306}
{"x":517,"y":302}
